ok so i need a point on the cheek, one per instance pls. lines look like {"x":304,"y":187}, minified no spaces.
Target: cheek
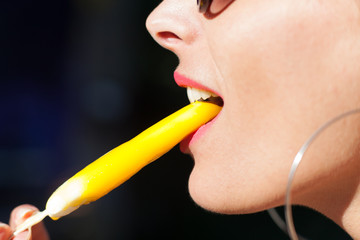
{"x":279,"y":76}
{"x":280,"y":64}
{"x":261,"y":42}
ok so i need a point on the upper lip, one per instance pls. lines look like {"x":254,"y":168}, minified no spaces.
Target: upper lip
{"x":183,"y":81}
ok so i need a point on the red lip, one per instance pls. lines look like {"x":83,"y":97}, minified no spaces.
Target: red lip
{"x":183,"y":81}
{"x":191,"y":138}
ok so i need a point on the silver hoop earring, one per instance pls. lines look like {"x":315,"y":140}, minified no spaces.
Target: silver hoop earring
{"x":296,"y":162}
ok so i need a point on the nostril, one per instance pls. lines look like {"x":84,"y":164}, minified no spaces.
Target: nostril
{"x":168,"y":36}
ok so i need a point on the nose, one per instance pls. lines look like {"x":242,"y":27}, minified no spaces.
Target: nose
{"x":173,"y":24}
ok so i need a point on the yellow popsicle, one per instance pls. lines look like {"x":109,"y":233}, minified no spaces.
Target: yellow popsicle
{"x":118,"y":165}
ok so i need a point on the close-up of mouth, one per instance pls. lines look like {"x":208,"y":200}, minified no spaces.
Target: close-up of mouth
{"x":197,"y":92}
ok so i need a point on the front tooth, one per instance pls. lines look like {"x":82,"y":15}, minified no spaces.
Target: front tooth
{"x":204,"y":95}
{"x":196,"y":94}
{"x":190,"y":95}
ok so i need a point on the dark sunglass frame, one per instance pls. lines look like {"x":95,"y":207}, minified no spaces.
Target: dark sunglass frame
{"x":203,"y":5}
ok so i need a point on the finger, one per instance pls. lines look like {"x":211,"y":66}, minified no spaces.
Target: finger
{"x":20,"y":213}
{"x":5,"y":231}
{"x":39,"y":232}
{"x":25,"y":235}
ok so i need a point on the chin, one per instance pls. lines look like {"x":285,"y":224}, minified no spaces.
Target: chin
{"x":218,"y":197}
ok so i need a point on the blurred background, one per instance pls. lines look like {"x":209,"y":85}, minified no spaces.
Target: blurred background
{"x":77,"y":78}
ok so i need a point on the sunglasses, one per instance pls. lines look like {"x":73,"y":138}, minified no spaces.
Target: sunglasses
{"x":216,"y":5}
{"x":203,"y":5}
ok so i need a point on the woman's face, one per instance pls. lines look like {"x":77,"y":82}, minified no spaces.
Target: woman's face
{"x":283,"y":68}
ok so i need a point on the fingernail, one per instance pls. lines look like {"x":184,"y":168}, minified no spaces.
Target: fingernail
{"x":22,"y":214}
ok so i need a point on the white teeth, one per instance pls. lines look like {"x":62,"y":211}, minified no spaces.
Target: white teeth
{"x":196,"y":94}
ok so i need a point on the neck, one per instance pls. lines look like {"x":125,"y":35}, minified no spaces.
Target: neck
{"x":339,"y":199}
{"x":350,"y":220}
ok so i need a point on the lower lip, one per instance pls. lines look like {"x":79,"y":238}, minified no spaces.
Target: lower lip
{"x":193,"y":137}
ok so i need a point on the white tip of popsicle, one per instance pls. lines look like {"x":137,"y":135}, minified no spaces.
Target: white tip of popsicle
{"x":65,"y":199}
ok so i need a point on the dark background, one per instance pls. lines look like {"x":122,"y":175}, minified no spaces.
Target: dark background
{"x":77,"y":78}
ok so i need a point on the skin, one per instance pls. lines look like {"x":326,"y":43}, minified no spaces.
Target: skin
{"x":19,"y":215}
{"x":283,"y":68}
